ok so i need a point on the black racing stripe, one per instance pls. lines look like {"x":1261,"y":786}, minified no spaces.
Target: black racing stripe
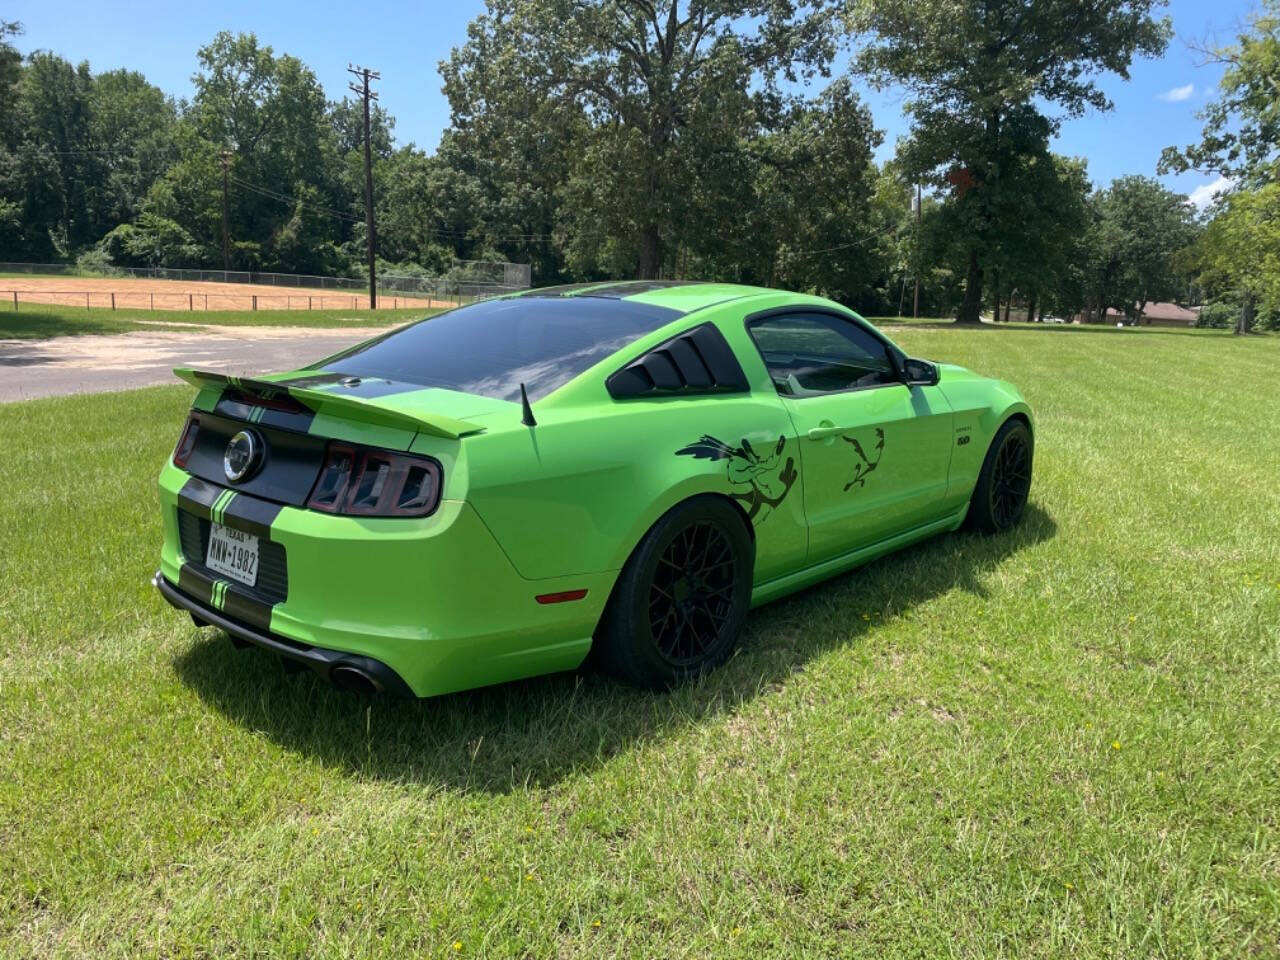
{"x":252,"y":515}
{"x":236,"y":603}
{"x":282,"y":420}
{"x":366,"y":389}
{"x":233,"y":408}
{"x":241,"y":606}
{"x":319,"y":379}
{"x":238,"y":405}
{"x":632,"y":288}
{"x":195,"y":584}
{"x":197,"y":496}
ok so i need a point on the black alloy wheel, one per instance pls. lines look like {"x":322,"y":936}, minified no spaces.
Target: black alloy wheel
{"x":1000,"y":496}
{"x":691,"y":595}
{"x":1011,"y":480}
{"x":680,"y":601}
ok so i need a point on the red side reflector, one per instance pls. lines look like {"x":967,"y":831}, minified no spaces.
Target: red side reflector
{"x":563,"y":597}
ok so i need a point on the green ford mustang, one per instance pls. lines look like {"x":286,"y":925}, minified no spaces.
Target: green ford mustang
{"x":618,"y":469}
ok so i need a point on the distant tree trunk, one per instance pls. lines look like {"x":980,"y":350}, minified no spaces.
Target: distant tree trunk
{"x":1245,"y":323}
{"x":972,"y":303}
{"x":1007,"y":305}
{"x":995,"y":296}
{"x":650,"y":253}
{"x":1031,"y":308}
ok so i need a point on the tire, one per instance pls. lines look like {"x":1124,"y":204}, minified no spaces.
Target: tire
{"x":680,"y":602}
{"x":1005,"y":481}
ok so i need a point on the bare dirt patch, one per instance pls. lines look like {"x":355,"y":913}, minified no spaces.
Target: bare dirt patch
{"x":135,"y":293}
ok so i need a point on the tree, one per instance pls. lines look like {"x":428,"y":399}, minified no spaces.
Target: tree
{"x":131,"y":126}
{"x":978,"y":74}
{"x":812,"y":221}
{"x":11,"y":228}
{"x":1241,"y":141}
{"x":1047,"y":217}
{"x":270,"y":113}
{"x":1140,"y":230}
{"x":1241,"y":136}
{"x":10,"y":70}
{"x":1239,"y":254}
{"x":649,"y":90}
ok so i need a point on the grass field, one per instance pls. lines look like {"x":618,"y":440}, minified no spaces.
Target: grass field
{"x":1061,"y":742}
{"x":40,"y":321}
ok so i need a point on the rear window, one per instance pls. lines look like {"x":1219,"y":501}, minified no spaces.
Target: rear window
{"x":490,"y":348}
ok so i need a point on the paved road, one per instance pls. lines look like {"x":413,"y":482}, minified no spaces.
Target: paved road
{"x":94,"y":364}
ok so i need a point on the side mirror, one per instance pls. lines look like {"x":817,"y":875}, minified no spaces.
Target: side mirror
{"x":919,"y":373}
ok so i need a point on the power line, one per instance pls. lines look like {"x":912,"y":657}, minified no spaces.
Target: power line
{"x":842,"y":246}
{"x":286,"y":198}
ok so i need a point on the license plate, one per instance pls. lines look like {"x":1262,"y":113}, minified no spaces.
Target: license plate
{"x":233,"y":553}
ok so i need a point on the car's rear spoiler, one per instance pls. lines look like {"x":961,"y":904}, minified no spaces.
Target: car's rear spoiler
{"x":365,"y":410}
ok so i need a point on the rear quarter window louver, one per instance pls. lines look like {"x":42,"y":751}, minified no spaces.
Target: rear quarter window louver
{"x":695,"y":362}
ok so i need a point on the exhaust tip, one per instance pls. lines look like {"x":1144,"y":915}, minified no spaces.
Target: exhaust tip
{"x":354,"y":680}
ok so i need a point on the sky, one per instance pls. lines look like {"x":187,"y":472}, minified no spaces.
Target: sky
{"x":1155,"y":108}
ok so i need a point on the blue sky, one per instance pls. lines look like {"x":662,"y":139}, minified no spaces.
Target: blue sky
{"x":1156,"y":108}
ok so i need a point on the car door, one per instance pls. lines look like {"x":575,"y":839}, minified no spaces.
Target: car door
{"x":875,"y":452}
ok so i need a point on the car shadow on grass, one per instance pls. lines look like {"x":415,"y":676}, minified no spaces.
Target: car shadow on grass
{"x":537,"y":732}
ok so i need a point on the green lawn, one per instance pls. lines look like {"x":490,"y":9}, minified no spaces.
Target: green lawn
{"x":37,"y":321}
{"x":1064,"y":742}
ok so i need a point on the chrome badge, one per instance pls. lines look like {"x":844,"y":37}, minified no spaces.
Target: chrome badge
{"x":244,"y":451}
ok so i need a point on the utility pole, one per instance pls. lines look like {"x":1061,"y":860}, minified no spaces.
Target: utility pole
{"x":226,"y":233}
{"x":915,"y":308}
{"x":362,"y":88}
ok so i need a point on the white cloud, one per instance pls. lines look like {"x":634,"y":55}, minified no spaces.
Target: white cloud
{"x":1177,"y":94}
{"x":1203,"y":195}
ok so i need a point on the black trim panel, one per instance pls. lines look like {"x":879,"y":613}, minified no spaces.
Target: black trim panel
{"x":291,"y":460}
{"x":319,"y":659}
{"x":697,"y":361}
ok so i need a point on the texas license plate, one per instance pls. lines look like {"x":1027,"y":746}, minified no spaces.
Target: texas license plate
{"x":233,"y":553}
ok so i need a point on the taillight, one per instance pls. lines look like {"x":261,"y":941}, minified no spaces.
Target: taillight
{"x":186,"y":442}
{"x":364,"y":482}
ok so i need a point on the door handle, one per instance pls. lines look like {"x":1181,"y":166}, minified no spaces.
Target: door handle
{"x":825,"y":432}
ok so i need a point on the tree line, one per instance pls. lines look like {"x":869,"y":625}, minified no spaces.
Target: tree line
{"x":705,"y":139}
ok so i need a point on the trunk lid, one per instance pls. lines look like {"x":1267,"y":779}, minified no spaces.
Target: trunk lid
{"x":379,"y":403}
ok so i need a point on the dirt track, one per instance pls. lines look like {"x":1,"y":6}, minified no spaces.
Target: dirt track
{"x":146,"y":294}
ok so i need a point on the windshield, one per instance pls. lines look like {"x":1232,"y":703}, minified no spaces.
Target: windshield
{"x":491,"y":348}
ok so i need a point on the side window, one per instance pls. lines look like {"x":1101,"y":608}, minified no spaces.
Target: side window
{"x":808,"y":353}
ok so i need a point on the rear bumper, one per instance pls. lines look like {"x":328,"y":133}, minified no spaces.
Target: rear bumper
{"x":317,"y":659}
{"x":434,"y":599}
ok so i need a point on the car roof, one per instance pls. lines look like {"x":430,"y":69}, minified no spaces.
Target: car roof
{"x":684,"y":296}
